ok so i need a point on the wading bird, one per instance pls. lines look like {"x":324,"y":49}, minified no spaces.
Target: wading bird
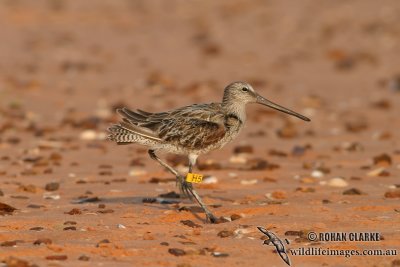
{"x":191,"y":130}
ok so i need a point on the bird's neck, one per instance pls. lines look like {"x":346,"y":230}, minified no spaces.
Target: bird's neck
{"x":237,"y":109}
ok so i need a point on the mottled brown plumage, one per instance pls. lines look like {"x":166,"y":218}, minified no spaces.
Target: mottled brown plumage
{"x":191,"y":130}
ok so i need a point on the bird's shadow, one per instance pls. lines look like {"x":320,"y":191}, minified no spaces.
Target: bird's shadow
{"x":159,"y":203}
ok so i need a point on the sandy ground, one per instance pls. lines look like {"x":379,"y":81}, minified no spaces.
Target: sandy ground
{"x":66,"y":65}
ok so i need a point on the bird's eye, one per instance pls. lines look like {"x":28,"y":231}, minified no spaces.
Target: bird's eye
{"x":244,"y":89}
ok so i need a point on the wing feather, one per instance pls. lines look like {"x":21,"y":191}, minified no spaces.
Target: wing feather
{"x":192,"y":127}
{"x":192,"y":133}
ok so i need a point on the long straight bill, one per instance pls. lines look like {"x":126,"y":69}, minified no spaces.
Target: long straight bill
{"x":263,"y":101}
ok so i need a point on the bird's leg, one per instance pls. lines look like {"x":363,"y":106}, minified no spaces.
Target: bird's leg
{"x":189,"y":187}
{"x":185,"y":187}
{"x":179,"y":178}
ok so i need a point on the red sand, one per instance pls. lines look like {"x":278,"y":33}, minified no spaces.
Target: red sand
{"x":66,"y":65}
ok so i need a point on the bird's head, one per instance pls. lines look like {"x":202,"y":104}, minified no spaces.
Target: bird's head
{"x":242,"y":93}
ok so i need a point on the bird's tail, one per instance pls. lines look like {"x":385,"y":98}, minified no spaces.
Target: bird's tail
{"x":125,"y":133}
{"x":120,"y":135}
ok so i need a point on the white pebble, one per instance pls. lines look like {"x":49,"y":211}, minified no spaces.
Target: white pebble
{"x":248,"y":182}
{"x":89,"y":135}
{"x":238,"y":159}
{"x":137,"y":172}
{"x":48,"y":195}
{"x":338,"y":182}
{"x":376,"y":172}
{"x":121,"y":226}
{"x":317,"y":174}
{"x":210,"y":180}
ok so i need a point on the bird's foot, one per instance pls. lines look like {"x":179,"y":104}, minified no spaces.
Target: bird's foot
{"x":211,"y":218}
{"x":185,"y":188}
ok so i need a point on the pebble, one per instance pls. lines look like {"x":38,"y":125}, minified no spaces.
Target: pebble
{"x":337,"y":182}
{"x":137,"y":172}
{"x":243,"y":149}
{"x":393,"y":194}
{"x":40,"y":241}
{"x":6,"y":209}
{"x":219,"y":254}
{"x":305,"y":189}
{"x":383,"y":160}
{"x":238,"y":159}
{"x":52,"y":186}
{"x":378,"y":172}
{"x":352,"y":146}
{"x":104,"y":241}
{"x":235,"y":217}
{"x":353,"y":191}
{"x":88,"y":135}
{"x":278,"y":195}
{"x":260,"y":164}
{"x":35,"y":206}
{"x":277,"y":153}
{"x":317,"y":174}
{"x":9,"y":243}
{"x":225,"y":233}
{"x":83,"y":258}
{"x":248,"y":182}
{"x":121,"y":226}
{"x":190,"y":224}
{"x":74,"y":211}
{"x":177,"y":252}
{"x":48,"y":195}
{"x":210,"y":180}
